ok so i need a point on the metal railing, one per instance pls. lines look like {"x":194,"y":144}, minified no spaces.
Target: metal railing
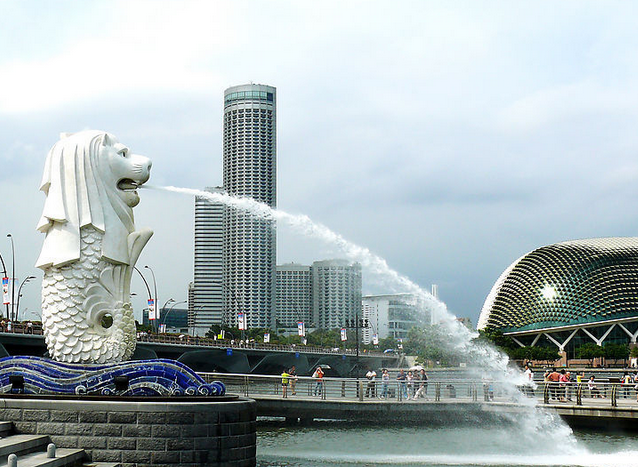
{"x":351,"y":389}
{"x":208,"y":342}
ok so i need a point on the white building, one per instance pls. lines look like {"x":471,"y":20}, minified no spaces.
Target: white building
{"x":336,"y":292}
{"x":393,"y":315}
{"x":249,"y":247}
{"x":293,"y":295}
{"x":205,"y":306}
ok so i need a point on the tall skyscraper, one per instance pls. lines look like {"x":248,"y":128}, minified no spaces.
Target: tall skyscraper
{"x":336,"y":292}
{"x":249,"y":246}
{"x":205,"y":295}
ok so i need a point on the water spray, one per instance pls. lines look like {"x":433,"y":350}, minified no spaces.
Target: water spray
{"x":491,"y":364}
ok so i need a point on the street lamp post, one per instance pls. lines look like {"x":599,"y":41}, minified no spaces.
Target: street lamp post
{"x":154,"y":289}
{"x":4,"y":274}
{"x":13,"y":278}
{"x":20,"y":294}
{"x":357,"y":323}
{"x":148,"y":289}
{"x":169,"y":310}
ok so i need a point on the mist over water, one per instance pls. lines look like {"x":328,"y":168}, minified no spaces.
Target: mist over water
{"x":487,"y":363}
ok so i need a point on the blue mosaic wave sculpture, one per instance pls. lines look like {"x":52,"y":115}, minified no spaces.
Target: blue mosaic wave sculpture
{"x":158,"y":377}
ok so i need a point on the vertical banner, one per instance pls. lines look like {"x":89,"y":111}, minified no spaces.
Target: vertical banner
{"x":375,"y":339}
{"x":266,"y":338}
{"x":162,"y":328}
{"x":242,"y":321}
{"x":221,"y":335}
{"x":5,"y":291}
{"x":343,"y":334}
{"x":151,"y":310}
{"x":301,"y":328}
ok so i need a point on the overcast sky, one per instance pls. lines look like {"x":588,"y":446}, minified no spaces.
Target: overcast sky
{"x":448,"y":137}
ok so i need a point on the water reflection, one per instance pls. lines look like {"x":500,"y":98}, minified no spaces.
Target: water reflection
{"x":347,"y":444}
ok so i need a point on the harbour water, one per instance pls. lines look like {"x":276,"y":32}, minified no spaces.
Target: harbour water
{"x":346,"y":445}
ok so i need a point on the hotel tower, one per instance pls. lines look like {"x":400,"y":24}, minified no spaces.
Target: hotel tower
{"x":249,"y":243}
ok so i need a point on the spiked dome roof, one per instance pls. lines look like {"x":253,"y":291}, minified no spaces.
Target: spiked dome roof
{"x":574,"y":282}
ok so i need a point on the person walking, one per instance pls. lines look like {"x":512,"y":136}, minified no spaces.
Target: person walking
{"x":285,"y":376}
{"x":371,"y":375}
{"x":423,"y":386}
{"x":401,"y":383}
{"x":385,"y":378}
{"x":410,"y":385}
{"x":293,"y":380}
{"x":318,"y":375}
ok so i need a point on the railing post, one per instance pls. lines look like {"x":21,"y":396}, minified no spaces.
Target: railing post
{"x":474,"y":392}
{"x":437,"y":392}
{"x":614,"y":390}
{"x":546,"y":393}
{"x":246,"y":384}
{"x":579,"y":394}
{"x":343,"y":389}
{"x":360,"y":390}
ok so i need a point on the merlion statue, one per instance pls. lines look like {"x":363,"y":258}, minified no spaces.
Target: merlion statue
{"x":91,"y":246}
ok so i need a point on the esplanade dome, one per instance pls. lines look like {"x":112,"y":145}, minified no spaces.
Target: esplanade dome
{"x":568,"y":283}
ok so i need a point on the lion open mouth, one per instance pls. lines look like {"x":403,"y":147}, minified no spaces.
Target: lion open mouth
{"x":126,"y":184}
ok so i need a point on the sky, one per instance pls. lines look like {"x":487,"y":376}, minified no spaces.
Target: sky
{"x":448,"y":137}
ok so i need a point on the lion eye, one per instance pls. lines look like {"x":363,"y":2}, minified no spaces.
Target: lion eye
{"x":123,"y":152}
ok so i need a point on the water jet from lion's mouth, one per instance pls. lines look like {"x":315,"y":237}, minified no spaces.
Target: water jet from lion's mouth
{"x":487,"y":360}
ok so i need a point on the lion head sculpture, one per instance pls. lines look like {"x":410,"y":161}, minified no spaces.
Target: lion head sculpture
{"x":90,"y":178}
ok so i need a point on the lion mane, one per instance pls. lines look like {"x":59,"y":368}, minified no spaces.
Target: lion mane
{"x":79,"y":193}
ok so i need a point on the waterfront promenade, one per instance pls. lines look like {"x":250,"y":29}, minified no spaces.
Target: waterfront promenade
{"x":446,"y":401}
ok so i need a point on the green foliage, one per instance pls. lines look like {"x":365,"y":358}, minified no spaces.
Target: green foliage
{"x":431,"y":343}
{"x":590,"y":351}
{"x":634,"y":352}
{"x":497,"y":338}
{"x":547,"y":354}
{"x":616,"y":351}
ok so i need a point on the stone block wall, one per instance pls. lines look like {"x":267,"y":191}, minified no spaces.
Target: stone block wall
{"x":146,"y":433}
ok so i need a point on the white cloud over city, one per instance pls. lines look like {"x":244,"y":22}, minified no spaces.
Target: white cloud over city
{"x":448,"y":137}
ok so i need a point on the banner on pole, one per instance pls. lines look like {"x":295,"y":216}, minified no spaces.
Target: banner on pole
{"x":5,"y":291}
{"x":375,"y":339}
{"x":344,"y":337}
{"x":266,"y":338}
{"x":301,"y":328}
{"x":162,"y":328}
{"x":242,"y":321}
{"x":151,"y":310}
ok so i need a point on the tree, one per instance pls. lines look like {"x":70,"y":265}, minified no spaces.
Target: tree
{"x":590,"y":351}
{"x":497,"y":338}
{"x":616,"y":351}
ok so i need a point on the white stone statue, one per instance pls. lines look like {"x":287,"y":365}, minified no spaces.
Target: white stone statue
{"x":91,"y":246}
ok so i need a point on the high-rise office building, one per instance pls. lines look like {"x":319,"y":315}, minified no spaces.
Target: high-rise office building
{"x":249,"y":246}
{"x":294,"y":302}
{"x":336,"y":292}
{"x":205,"y":306}
{"x":393,"y":315}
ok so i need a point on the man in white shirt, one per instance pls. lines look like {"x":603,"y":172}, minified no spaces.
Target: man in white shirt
{"x":371,"y":376}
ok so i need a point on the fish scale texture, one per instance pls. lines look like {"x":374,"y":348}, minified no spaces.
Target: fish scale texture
{"x":76,"y":298}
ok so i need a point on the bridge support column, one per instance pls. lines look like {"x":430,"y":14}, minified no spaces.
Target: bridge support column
{"x":306,"y":421}
{"x":291,"y":420}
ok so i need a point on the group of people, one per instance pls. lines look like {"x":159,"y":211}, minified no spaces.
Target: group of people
{"x":562,"y":384}
{"x":411,"y":385}
{"x":289,"y":377}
